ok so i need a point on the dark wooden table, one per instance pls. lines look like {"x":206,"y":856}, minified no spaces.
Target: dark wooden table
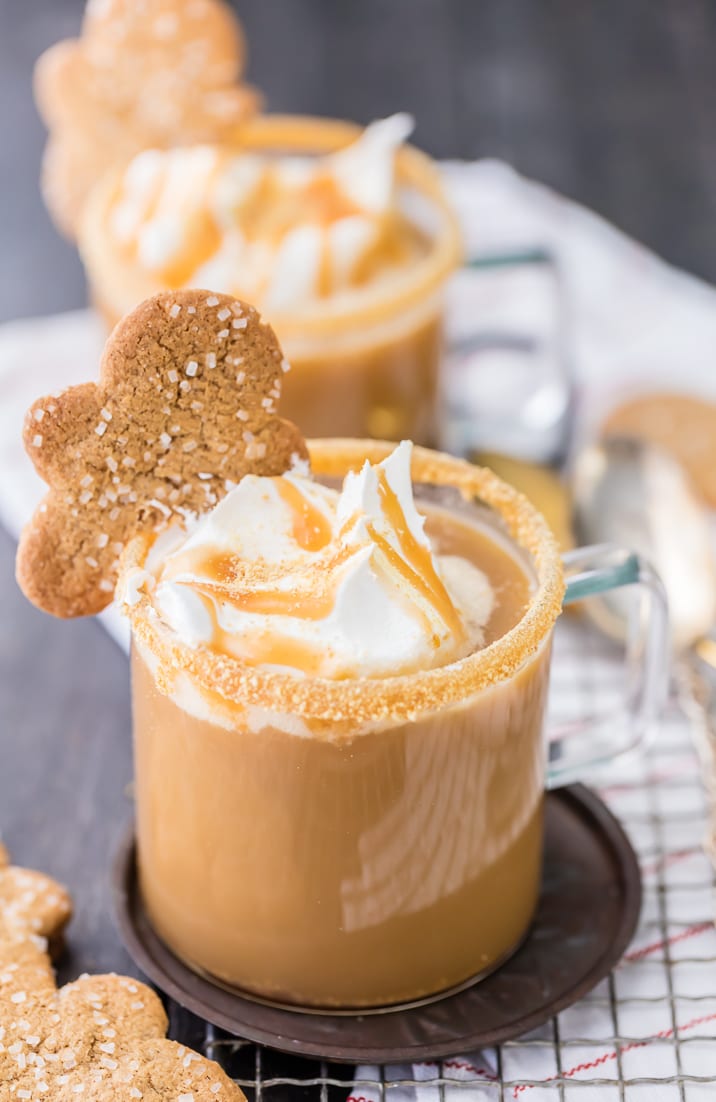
{"x":611,"y":101}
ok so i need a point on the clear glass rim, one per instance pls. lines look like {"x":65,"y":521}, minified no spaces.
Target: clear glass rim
{"x":364,"y":701}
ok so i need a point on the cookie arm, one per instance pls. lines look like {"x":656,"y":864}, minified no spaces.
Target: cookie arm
{"x":171,"y":1065}
{"x":53,"y":78}
{"x":59,"y":568}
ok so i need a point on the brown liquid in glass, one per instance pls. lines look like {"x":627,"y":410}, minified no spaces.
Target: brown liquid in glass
{"x":350,"y":873}
{"x":384,"y":387}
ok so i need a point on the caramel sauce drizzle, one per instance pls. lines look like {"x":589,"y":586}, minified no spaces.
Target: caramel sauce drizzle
{"x":202,"y":239}
{"x":311,"y":528}
{"x":271,"y":602}
{"x":282,"y":651}
{"x":202,"y":236}
{"x":273,"y":649}
{"x":273,"y":209}
{"x":222,"y":572}
{"x":398,"y":243}
{"x":417,"y":565}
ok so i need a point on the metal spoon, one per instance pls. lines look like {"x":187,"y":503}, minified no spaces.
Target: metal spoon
{"x":629,"y":492}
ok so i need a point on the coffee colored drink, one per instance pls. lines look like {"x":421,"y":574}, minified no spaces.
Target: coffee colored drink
{"x":364,"y":871}
{"x":380,"y":842}
{"x":381,"y":382}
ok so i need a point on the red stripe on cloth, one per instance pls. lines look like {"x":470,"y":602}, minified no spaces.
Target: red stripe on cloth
{"x":645,"y":950}
{"x":672,"y":858}
{"x":462,"y":1065}
{"x":612,"y":1054}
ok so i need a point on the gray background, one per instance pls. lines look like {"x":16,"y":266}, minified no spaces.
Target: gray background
{"x":610,"y":101}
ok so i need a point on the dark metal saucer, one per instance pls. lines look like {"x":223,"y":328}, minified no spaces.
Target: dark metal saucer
{"x":588,"y":910}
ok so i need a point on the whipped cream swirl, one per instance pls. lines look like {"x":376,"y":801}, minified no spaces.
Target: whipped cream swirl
{"x":287,"y":573}
{"x":281,"y":231}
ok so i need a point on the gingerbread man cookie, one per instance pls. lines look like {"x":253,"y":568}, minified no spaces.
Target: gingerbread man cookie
{"x":184,"y":408}
{"x":102,"y":1037}
{"x":144,"y":74}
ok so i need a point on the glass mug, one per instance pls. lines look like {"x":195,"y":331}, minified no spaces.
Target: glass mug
{"x":364,"y":363}
{"x":368,"y":842}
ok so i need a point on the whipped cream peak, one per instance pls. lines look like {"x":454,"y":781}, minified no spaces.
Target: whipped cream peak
{"x":366,"y":493}
{"x":288,"y":573}
{"x":365,"y":170}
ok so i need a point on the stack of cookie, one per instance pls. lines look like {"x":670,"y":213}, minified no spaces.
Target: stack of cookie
{"x":101,"y":1037}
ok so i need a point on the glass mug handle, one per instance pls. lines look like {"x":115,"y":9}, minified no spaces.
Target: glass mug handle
{"x":578,"y":746}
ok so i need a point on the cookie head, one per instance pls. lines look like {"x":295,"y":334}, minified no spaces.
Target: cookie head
{"x":185,"y":406}
{"x":143,"y":74}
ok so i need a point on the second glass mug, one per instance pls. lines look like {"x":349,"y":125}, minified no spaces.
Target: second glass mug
{"x":362,"y":364}
{"x":362,"y":843}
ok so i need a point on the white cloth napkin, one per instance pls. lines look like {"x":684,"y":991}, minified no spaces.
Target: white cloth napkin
{"x":633,"y":318}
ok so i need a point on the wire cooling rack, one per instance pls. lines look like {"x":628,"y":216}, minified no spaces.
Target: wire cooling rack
{"x":648,"y":1032}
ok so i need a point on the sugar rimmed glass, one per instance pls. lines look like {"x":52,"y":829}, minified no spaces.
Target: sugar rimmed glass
{"x":366,"y":843}
{"x":364,"y":362}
